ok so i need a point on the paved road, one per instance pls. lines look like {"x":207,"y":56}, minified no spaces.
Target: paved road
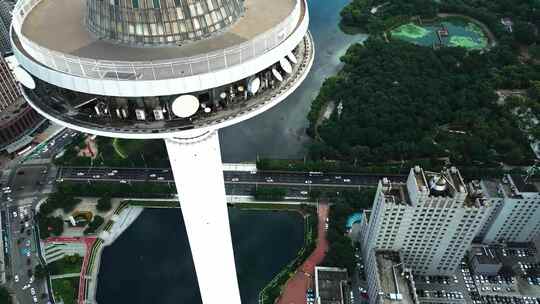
{"x":27,"y":185}
{"x":236,"y":177}
{"x":52,"y":146}
{"x":298,"y":184}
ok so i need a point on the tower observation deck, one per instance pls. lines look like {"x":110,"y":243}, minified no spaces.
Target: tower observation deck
{"x":172,"y":69}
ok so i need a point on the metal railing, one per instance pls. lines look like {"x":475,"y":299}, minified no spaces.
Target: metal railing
{"x":153,"y":70}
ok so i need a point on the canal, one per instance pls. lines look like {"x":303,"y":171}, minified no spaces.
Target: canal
{"x":151,"y":261}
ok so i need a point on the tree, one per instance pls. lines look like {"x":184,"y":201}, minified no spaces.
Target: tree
{"x":94,"y":224}
{"x":41,"y":272}
{"x":104,"y":203}
{"x":524,"y":32}
{"x":5,"y":297}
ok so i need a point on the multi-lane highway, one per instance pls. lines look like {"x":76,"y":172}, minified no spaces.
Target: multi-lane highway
{"x":267,"y":177}
{"x":236,"y":182}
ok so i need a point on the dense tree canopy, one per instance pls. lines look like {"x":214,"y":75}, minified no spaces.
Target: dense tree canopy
{"x":104,"y":203}
{"x":5,"y":297}
{"x":402,"y":101}
{"x":340,"y":252}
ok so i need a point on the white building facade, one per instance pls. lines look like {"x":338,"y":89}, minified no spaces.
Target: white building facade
{"x":431,"y":221}
{"x":515,"y":217}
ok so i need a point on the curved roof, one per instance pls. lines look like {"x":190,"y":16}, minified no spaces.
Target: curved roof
{"x":158,"y":22}
{"x":58,"y":25}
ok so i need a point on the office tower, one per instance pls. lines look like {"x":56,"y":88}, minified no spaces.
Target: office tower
{"x":431,"y":220}
{"x":172,"y":69}
{"x":516,"y":215}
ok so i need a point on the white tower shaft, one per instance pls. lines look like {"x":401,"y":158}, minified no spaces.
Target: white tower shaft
{"x":198,"y":174}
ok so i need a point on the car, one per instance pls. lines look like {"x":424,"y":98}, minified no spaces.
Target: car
{"x":35,"y":299}
{"x":160,"y":178}
{"x":26,"y":225}
{"x":25,"y":287}
{"x":269,"y":180}
{"x":253,"y":172}
{"x":97,"y":176}
{"x":308,"y":182}
{"x":33,"y":291}
{"x":5,"y":188}
{"x":27,"y":243}
{"x":7,"y":191}
{"x":15,"y":214}
{"x":31,"y":280}
{"x":80,"y":173}
{"x":123,"y":182}
{"x":16,"y":278}
{"x":110,"y":174}
{"x":346,"y":180}
{"x":304,"y":192}
{"x":235,"y":179}
{"x":337,"y":177}
{"x":114,"y":171}
{"x":27,"y":253}
{"x":152,"y":175}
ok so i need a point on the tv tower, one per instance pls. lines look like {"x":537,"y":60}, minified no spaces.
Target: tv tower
{"x":173,"y":69}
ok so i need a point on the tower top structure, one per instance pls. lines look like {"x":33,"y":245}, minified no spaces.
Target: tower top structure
{"x":158,"y":22}
{"x":116,"y":67}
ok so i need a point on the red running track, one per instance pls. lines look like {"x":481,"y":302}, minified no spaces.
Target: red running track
{"x":295,"y":290}
{"x":88,"y":241}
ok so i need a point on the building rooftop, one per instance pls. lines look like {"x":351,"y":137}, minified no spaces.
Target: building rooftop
{"x":394,"y":281}
{"x":58,"y":25}
{"x":447,"y":183}
{"x":521,"y":185}
{"x":330,"y":282}
{"x":490,"y":188}
{"x":395,"y":193}
{"x":485,"y":255}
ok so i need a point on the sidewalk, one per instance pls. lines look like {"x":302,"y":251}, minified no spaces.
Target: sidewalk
{"x":295,"y":290}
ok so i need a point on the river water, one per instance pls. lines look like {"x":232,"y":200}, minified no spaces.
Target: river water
{"x":151,"y":261}
{"x":280,"y":131}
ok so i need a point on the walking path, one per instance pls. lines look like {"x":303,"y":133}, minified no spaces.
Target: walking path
{"x":295,"y":290}
{"x":67,"y":275}
{"x":88,"y":241}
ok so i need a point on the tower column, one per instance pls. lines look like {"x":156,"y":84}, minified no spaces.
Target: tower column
{"x":198,"y":174}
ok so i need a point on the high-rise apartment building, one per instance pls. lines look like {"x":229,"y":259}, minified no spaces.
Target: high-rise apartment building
{"x":6,"y":6}
{"x":431,"y":220}
{"x":515,"y":214}
{"x":17,"y":118}
{"x":9,"y":90}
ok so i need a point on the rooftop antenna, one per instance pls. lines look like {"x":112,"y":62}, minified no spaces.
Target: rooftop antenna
{"x":532,"y":170}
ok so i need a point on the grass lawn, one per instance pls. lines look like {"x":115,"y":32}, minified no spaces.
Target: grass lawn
{"x":410,"y":30}
{"x":66,"y":290}
{"x":68,"y":264}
